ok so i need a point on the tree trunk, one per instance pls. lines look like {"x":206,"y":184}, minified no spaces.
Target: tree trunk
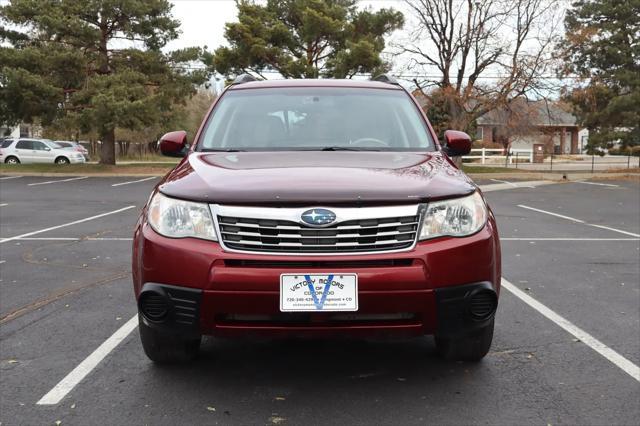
{"x":108,"y":148}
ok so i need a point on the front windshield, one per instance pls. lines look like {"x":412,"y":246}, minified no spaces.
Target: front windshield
{"x":305,"y":118}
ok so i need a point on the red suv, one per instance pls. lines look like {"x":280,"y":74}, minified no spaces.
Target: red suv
{"x":315,"y":208}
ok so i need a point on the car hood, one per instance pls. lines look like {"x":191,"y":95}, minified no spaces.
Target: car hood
{"x":305,"y":177}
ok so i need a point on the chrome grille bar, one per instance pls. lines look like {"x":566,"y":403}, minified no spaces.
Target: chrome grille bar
{"x":297,"y":244}
{"x":339,"y":227}
{"x":281,"y":231}
{"x":298,"y":236}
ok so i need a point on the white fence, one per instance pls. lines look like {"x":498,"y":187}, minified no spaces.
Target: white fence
{"x":497,"y":154}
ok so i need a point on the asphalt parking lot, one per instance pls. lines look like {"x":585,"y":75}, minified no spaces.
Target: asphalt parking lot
{"x":566,"y":348}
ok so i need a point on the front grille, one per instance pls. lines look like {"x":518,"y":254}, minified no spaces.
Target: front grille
{"x":351,"y":236}
{"x":318,"y":264}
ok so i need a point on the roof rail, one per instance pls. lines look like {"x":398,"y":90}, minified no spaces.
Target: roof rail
{"x":385,"y":78}
{"x":244,"y":78}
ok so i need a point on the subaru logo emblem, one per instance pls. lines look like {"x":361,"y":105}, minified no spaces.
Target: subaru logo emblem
{"x":318,"y":217}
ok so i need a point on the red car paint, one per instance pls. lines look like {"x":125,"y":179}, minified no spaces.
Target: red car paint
{"x":240,"y":284}
{"x":229,"y":288}
{"x":259,"y":178}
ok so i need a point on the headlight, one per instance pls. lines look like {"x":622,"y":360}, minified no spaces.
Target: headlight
{"x":180,"y":219}
{"x":456,"y":218}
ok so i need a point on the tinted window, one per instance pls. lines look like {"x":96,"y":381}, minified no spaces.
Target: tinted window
{"x":314,"y":118}
{"x":6,"y":143}
{"x":64,"y":144}
{"x":39,"y":146}
{"x":24,"y":144}
{"x":52,"y":144}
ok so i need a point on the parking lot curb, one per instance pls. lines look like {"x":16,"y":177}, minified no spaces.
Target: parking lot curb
{"x":35,"y":174}
{"x":558,"y":176}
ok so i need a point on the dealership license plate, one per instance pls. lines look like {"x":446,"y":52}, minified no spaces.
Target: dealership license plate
{"x":318,"y":292}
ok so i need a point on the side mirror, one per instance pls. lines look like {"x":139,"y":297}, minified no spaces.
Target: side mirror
{"x":174,"y":144}
{"x":46,"y":148}
{"x":456,"y":143}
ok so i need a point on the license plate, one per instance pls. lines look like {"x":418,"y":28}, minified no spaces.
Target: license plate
{"x":318,"y":292}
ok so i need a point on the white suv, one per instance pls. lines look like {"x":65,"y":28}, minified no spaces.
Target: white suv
{"x":15,"y":151}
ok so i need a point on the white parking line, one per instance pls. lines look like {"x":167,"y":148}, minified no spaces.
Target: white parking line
{"x":47,"y":239}
{"x":71,"y":380}
{"x":618,"y":360}
{"x":614,"y":229}
{"x":76,"y":375}
{"x":4,"y":205}
{"x":2,"y":261}
{"x":134,"y":181}
{"x":9,"y":177}
{"x":597,"y":183}
{"x":501,"y":239}
{"x":511,"y":185}
{"x":74,"y":239}
{"x":551,"y":213}
{"x":57,"y":181}
{"x":573,"y":219}
{"x":504,"y":181}
{"x":28,"y":234}
{"x":567,"y":239}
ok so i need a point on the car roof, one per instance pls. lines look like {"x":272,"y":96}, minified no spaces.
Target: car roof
{"x":314,"y":82}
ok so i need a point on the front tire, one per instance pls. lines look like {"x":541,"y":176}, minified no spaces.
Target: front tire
{"x":165,"y":348}
{"x":62,"y":160}
{"x":472,"y":347}
{"x":12,"y":160}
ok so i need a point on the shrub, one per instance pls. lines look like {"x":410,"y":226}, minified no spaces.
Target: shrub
{"x":630,"y":150}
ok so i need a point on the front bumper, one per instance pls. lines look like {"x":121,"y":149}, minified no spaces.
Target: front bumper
{"x":423,"y":291}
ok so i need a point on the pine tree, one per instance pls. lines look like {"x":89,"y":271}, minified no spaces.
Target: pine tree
{"x":603,"y":38}
{"x":306,"y":39}
{"x":95,"y":63}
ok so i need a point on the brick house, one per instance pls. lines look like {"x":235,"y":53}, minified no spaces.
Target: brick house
{"x":525,"y":123}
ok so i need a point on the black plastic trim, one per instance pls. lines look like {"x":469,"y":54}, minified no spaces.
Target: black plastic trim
{"x":453,"y":309}
{"x":385,"y":78}
{"x":243,"y":78}
{"x":183,"y":308}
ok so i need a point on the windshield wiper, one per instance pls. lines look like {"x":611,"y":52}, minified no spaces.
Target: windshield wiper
{"x":345,"y":148}
{"x":222,"y":150}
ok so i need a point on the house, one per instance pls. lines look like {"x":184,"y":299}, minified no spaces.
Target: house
{"x":21,"y":131}
{"x":523,"y":124}
{"x":9,"y":131}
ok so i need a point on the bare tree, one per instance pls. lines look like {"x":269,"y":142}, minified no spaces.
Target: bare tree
{"x":477,"y":55}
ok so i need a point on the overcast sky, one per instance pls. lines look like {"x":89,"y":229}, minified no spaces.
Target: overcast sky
{"x":203,"y":20}
{"x":202,"y":23}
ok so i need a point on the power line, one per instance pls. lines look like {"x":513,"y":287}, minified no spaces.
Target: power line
{"x":404,"y":76}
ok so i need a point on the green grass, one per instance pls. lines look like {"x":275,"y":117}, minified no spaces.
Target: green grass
{"x":144,"y":158}
{"x":151,"y":168}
